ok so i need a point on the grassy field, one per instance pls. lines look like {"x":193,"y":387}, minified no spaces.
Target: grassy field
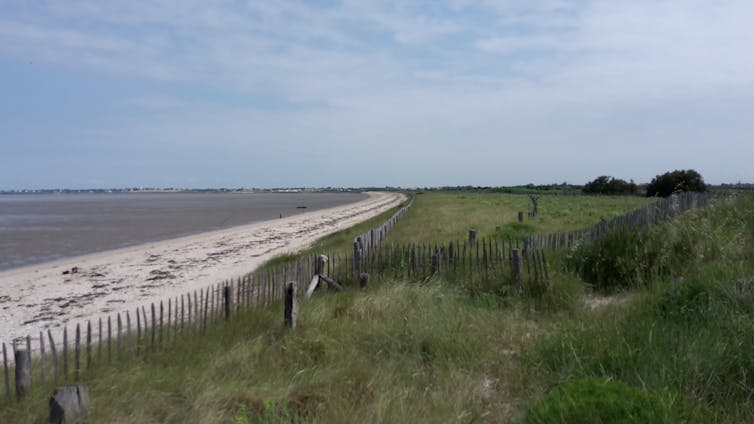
{"x":445,"y":216}
{"x":670,"y":345}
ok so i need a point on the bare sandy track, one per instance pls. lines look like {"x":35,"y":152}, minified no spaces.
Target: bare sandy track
{"x":48,"y":295}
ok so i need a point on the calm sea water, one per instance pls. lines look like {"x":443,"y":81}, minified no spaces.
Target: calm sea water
{"x":45,"y":227}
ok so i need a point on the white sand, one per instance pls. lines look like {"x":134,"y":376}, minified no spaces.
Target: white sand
{"x":41,"y":296}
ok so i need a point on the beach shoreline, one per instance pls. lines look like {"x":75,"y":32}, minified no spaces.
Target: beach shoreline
{"x":47,"y":295}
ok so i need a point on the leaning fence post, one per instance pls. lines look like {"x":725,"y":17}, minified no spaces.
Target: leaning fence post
{"x":54,"y":352}
{"x":291,"y":304}
{"x":23,"y":372}
{"x":28,"y":346}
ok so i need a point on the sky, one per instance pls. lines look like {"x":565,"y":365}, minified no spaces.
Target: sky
{"x":281,"y":93}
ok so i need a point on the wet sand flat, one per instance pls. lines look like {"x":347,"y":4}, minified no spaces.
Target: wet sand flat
{"x":37,"y":228}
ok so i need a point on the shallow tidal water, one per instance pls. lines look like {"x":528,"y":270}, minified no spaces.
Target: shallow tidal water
{"x":36,"y":228}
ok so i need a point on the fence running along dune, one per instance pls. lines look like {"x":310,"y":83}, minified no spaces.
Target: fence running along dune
{"x":639,"y":219}
{"x":368,"y":240}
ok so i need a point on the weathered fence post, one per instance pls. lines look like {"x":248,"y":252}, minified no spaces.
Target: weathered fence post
{"x":69,"y":404}
{"x":516,"y":265}
{"x":434,"y":261}
{"x":227,"y":301}
{"x":65,"y":352}
{"x":88,"y":344}
{"x":5,"y":372}
{"x":520,"y":216}
{"x":138,"y":331}
{"x":291,"y":304}
{"x":23,"y":372}
{"x":99,"y":337}
{"x":42,"y":358}
{"x":118,"y":345}
{"x":356,"y":256}
{"x":321,"y":262}
{"x":109,"y":339}
{"x":159,"y":337}
{"x":54,"y":352}
{"x":472,"y":237}
{"x":77,"y":347}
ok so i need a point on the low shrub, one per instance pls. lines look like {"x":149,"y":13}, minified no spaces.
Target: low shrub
{"x":514,"y":231}
{"x":600,"y":401}
{"x":621,"y":259}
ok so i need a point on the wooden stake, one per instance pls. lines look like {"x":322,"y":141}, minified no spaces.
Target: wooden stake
{"x":154,"y":329}
{"x":138,"y":332}
{"x":88,"y":344}
{"x":54,"y":352}
{"x":117,"y":337}
{"x":42,"y":358}
{"x":227,"y":301}
{"x":161,"y":322}
{"x":6,"y":373}
{"x":23,"y":372}
{"x":291,"y":305}
{"x":65,"y":352}
{"x":77,"y":358}
{"x":109,"y":339}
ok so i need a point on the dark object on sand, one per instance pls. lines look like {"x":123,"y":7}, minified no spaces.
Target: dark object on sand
{"x":73,"y":270}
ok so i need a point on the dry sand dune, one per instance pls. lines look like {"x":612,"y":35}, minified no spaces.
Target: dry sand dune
{"x":47,"y":295}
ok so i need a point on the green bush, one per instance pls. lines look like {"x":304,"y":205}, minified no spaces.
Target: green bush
{"x":675,"y":182}
{"x":600,"y":401}
{"x":609,"y":185}
{"x":621,"y":259}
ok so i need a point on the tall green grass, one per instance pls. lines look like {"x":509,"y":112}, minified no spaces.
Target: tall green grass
{"x":690,"y":333}
{"x":398,"y":352}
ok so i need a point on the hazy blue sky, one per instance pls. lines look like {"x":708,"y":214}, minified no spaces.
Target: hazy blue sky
{"x":198,"y":93}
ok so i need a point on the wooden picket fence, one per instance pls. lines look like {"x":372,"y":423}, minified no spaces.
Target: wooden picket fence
{"x":369,"y":240}
{"x":639,"y":219}
{"x":58,"y":357}
{"x":503,"y":260}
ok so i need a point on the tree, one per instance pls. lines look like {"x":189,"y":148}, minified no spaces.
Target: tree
{"x":608,"y":185}
{"x":675,"y":182}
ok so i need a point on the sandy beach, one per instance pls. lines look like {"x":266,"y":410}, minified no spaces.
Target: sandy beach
{"x":48,"y":295}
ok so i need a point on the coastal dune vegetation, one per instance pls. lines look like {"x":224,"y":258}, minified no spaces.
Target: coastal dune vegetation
{"x":651,"y":326}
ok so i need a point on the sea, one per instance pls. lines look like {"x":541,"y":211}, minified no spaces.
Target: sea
{"x":37,"y":228}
